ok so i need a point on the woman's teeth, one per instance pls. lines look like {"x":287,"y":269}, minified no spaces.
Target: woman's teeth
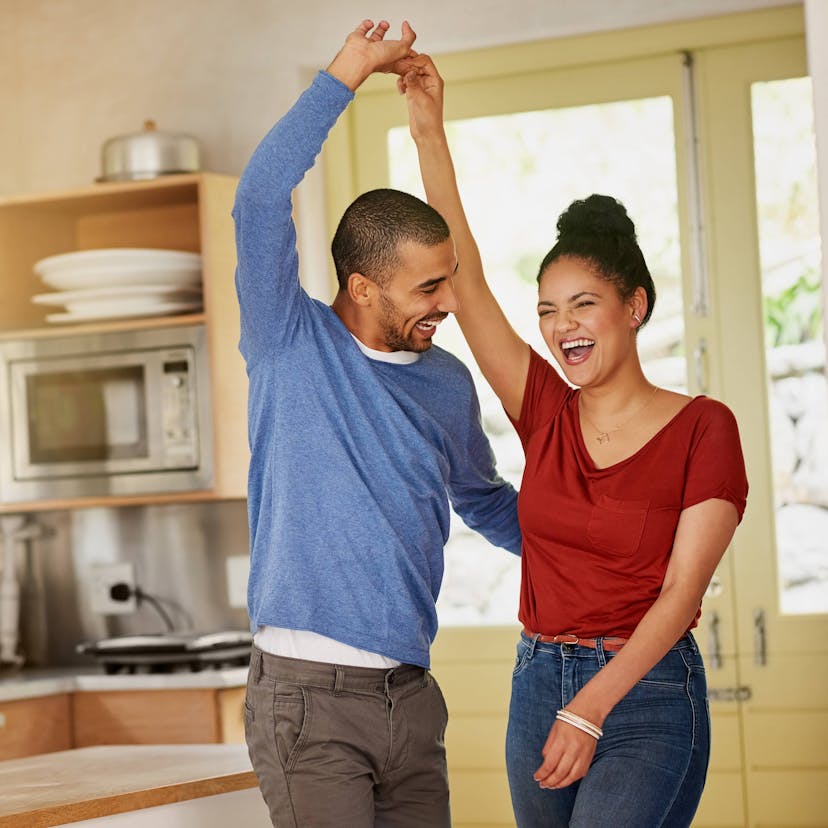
{"x":576,"y":343}
{"x":576,"y":349}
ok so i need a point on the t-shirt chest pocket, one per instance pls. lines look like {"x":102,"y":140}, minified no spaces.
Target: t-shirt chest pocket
{"x":616,"y":526}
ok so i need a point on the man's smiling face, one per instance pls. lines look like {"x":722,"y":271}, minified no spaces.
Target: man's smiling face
{"x":418,"y":296}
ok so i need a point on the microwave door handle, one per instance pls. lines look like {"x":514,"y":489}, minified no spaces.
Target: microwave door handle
{"x":20,"y":440}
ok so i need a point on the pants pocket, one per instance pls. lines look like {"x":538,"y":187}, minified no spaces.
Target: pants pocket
{"x":291,"y":719}
{"x":521,"y":658}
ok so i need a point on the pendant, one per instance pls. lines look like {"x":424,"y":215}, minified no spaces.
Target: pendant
{"x":603,"y":437}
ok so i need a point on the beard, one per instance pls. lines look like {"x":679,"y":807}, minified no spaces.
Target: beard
{"x":392,"y":324}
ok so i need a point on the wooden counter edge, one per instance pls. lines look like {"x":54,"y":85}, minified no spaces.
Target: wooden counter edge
{"x":131,"y":801}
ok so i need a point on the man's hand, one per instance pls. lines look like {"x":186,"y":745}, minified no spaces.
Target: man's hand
{"x":366,"y":51}
{"x":422,"y":86}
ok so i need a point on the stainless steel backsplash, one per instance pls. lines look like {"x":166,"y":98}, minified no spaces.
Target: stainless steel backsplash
{"x":179,"y":554}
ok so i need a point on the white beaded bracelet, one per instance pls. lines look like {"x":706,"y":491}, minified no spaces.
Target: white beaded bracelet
{"x":582,"y":724}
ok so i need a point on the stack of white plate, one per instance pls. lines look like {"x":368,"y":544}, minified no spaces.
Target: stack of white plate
{"x":120,"y":282}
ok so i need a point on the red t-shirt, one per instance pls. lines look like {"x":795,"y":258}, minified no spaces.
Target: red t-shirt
{"x":596,"y":542}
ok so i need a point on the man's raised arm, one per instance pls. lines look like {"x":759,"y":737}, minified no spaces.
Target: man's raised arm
{"x":267,"y":274}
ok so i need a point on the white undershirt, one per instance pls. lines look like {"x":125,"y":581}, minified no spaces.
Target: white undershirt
{"x":312,"y":646}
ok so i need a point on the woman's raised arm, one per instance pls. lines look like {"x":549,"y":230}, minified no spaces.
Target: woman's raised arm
{"x":502,"y":355}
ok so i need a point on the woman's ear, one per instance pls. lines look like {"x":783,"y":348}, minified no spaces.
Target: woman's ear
{"x":638,"y":305}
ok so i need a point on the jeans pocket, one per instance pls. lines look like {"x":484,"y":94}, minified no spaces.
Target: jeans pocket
{"x":522,"y":658}
{"x":667,"y":678}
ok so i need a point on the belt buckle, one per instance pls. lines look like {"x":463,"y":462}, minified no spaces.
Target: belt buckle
{"x":559,"y":639}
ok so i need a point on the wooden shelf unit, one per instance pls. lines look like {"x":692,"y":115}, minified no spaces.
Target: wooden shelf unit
{"x":177,"y":212}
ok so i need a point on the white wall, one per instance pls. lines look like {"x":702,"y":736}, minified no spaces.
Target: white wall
{"x":75,"y":72}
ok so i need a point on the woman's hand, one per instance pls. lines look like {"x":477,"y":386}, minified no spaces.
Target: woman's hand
{"x":567,"y":756}
{"x":422,"y":86}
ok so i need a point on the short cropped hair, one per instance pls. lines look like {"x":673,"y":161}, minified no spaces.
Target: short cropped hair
{"x":373,"y":227}
{"x":598,"y":231}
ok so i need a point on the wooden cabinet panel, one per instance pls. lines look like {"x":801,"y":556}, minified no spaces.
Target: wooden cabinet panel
{"x":723,"y":801}
{"x":32,"y":726}
{"x":480,"y":797}
{"x":145,"y":717}
{"x":228,"y":376}
{"x":231,"y":714}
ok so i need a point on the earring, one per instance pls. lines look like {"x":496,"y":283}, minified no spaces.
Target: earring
{"x":637,"y":318}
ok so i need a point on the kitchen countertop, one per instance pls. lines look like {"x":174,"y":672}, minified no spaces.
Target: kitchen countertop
{"x":24,"y":684}
{"x":87,"y":783}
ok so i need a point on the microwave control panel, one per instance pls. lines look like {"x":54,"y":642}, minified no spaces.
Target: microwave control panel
{"x":180,"y":429}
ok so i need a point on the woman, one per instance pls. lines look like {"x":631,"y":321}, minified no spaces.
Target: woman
{"x":630,"y":496}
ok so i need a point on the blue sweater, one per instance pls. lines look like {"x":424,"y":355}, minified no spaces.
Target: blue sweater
{"x":353,"y":460}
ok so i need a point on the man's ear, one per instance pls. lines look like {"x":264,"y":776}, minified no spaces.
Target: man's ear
{"x":362,"y":290}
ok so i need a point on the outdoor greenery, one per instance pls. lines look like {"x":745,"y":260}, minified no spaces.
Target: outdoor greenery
{"x":793,"y":315}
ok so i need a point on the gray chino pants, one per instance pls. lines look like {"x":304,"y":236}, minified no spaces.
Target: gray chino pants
{"x":347,"y":747}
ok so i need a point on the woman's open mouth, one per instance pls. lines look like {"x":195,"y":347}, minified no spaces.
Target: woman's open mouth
{"x":577,"y":350}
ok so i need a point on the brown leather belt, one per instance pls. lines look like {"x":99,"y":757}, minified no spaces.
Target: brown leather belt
{"x":611,"y":643}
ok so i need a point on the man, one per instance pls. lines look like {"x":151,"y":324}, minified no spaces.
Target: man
{"x":361,"y":432}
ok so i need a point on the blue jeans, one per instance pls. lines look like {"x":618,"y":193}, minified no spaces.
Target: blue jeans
{"x":650,"y":765}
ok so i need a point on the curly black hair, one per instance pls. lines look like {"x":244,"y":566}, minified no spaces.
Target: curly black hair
{"x":598,"y":231}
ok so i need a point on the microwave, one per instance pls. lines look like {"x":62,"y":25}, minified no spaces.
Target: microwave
{"x":91,"y":415}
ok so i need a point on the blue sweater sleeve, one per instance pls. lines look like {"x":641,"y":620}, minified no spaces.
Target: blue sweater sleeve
{"x":267,"y":273}
{"x":485,"y":502}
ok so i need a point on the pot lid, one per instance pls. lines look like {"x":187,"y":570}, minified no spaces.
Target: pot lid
{"x":148,"y":153}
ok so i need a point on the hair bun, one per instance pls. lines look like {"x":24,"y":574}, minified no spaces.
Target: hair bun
{"x":596,"y":215}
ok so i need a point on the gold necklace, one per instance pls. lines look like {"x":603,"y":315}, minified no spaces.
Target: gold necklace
{"x":604,"y":436}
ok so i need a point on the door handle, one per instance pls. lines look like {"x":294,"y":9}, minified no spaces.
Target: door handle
{"x":714,"y":644}
{"x":726,"y":694}
{"x":760,"y":643}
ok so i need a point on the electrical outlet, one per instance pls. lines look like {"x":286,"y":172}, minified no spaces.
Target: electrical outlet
{"x":102,"y":577}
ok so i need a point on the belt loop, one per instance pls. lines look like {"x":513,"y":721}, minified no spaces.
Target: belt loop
{"x":339,"y":679}
{"x":535,"y":639}
{"x":426,"y":678}
{"x":599,"y":652}
{"x":258,"y":665}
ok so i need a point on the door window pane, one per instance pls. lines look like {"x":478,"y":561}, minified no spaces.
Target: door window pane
{"x":789,"y":244}
{"x":517,"y":173}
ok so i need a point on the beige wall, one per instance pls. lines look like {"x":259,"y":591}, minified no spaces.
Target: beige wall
{"x":79,"y":71}
{"x":75,"y":72}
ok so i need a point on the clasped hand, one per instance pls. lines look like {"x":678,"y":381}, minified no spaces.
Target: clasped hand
{"x":366,"y":50}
